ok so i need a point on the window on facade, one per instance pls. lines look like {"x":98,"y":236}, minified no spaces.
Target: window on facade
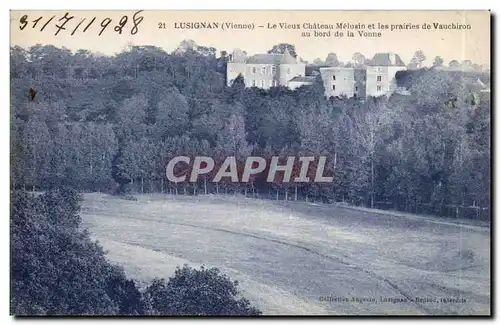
{"x":262,"y":83}
{"x":379,"y":88}
{"x":253,"y":83}
{"x":379,"y":78}
{"x":275,"y":83}
{"x":354,"y":96}
{"x":263,"y":71}
{"x":273,"y":69}
{"x":333,"y":77}
{"x":288,"y":70}
{"x":254,"y":69}
{"x":356,"y":88}
{"x":333,"y":87}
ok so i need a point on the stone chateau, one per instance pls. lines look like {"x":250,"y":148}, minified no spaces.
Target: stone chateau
{"x":270,"y":70}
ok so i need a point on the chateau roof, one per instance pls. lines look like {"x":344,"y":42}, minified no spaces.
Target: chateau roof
{"x":271,"y":58}
{"x":303,"y":78}
{"x":387,"y":59}
{"x":337,"y":68}
{"x":287,"y":58}
{"x":238,"y":56}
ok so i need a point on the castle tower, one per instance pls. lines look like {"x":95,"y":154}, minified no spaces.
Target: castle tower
{"x":236,"y":66}
{"x":381,"y":74}
{"x":287,"y":67}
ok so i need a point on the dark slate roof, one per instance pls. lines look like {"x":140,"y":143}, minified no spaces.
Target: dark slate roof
{"x":272,"y":58}
{"x":384,"y":59}
{"x":304,"y":78}
{"x":265,"y":58}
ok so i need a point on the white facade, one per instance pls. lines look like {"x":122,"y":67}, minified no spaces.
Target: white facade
{"x":342,"y":81}
{"x":271,"y":70}
{"x":264,"y":70}
{"x":381,"y":74}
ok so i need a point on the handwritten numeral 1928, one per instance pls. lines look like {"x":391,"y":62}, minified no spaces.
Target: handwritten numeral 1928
{"x":61,"y":26}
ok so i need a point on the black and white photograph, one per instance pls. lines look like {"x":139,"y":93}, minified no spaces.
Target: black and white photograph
{"x":250,"y":163}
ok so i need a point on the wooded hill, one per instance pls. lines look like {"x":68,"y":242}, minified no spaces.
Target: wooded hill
{"x":99,"y":121}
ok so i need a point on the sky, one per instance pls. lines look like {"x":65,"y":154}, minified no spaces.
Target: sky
{"x":451,"y":44}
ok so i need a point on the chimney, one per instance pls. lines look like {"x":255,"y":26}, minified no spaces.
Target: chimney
{"x":392,"y":58}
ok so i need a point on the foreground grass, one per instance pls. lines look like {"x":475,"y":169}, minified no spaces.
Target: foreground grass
{"x":287,"y":255}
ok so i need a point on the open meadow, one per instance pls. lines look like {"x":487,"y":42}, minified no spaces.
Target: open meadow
{"x":302,"y":258}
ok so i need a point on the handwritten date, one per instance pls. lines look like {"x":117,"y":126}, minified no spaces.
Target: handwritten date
{"x":65,"y":22}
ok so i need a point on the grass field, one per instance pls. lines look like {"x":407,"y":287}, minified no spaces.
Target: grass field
{"x":288,"y":256}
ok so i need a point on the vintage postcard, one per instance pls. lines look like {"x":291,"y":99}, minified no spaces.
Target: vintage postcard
{"x":250,"y":163}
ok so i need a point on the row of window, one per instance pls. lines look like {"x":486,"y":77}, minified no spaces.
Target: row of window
{"x":379,"y":88}
{"x":355,"y":88}
{"x":265,"y":70}
{"x":263,"y":83}
{"x":379,"y":78}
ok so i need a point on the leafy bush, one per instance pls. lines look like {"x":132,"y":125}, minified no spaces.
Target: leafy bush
{"x":197,"y":292}
{"x":56,"y":269}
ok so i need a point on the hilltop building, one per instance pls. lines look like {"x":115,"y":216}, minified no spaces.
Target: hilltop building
{"x":271,"y":70}
{"x":265,"y":70}
{"x":381,"y":73}
{"x":300,"y":81}
{"x":341,"y":81}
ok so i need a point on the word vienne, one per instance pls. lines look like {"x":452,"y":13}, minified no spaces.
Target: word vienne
{"x":253,"y":166}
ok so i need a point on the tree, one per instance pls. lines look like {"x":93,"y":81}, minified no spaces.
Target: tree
{"x":204,"y":292}
{"x":466,"y":65}
{"x":420,"y":57}
{"x":434,"y":89}
{"x":417,"y":60}
{"x":332,"y":60}
{"x":318,"y":61}
{"x":18,"y":61}
{"x":185,"y":46}
{"x":55,"y":267}
{"x":50,"y":60}
{"x":237,"y":89}
{"x":131,"y":117}
{"x":454,"y":64}
{"x":37,"y":146}
{"x":280,"y":49}
{"x":438,"y":62}
{"x":358,"y":59}
{"x":172,"y":114}
{"x":207,"y":51}
{"x":157,"y":105}
{"x":368,"y":132}
{"x":120,"y":173}
{"x":231,"y":140}
{"x":413,"y":64}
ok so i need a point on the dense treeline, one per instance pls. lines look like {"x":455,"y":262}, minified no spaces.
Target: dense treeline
{"x":99,"y":121}
{"x":56,"y":269}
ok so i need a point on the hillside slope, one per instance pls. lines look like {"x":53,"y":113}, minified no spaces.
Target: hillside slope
{"x":289,"y":256}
